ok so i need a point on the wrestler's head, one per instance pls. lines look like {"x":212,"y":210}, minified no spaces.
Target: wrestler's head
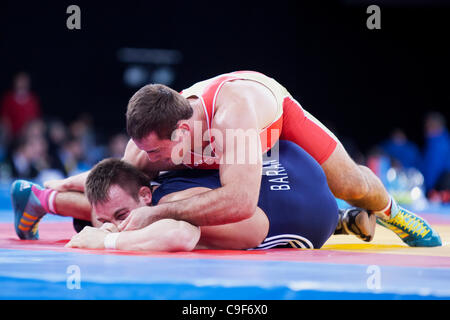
{"x":156,"y":121}
{"x":115,"y":188}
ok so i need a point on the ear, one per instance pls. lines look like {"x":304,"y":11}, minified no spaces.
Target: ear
{"x":146,"y":195}
{"x":183,"y":125}
{"x":181,"y":132}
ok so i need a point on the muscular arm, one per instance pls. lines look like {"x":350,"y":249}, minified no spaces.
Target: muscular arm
{"x":236,"y":200}
{"x":73,"y":183}
{"x":245,"y":234}
{"x":163,"y":235}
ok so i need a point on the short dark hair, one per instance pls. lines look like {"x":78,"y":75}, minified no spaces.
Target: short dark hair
{"x":156,"y":108}
{"x":111,"y":172}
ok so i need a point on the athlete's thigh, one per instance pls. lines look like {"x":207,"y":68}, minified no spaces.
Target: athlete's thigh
{"x":302,"y":128}
{"x":344,"y":176}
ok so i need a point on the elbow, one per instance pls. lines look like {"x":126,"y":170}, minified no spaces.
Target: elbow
{"x":247,"y":212}
{"x":183,"y":238}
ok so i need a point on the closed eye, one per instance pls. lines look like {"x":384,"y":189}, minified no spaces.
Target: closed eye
{"x":122,"y":216}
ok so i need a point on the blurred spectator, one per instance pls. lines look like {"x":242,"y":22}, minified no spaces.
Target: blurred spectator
{"x":34,"y":128}
{"x":117,"y":145}
{"x":56,"y":136}
{"x":83,"y":130}
{"x":436,"y":165}
{"x":401,"y":150}
{"x":405,"y":184}
{"x":380,"y":163}
{"x":20,"y":105}
{"x":57,"y":133}
{"x":72,"y":156}
{"x":28,"y":158}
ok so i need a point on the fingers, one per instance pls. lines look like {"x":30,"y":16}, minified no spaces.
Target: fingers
{"x":69,"y":245}
{"x":57,"y":185}
{"x":110,"y":227}
{"x":49,"y":184}
{"x":73,"y":243}
{"x":125,"y":224}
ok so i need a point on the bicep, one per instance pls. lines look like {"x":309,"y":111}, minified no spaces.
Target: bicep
{"x":239,"y":148}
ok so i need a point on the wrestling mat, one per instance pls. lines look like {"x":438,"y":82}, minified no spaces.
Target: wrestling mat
{"x":345,"y":268}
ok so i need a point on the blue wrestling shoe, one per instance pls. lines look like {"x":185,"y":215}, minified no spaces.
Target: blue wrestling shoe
{"x":412,"y":229}
{"x":28,"y":210}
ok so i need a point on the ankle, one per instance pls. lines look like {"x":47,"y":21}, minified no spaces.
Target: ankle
{"x":386,"y":212}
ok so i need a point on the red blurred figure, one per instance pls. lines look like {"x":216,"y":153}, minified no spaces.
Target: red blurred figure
{"x":20,"y":105}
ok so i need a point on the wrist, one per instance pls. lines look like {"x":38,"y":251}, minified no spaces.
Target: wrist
{"x":110,"y":241}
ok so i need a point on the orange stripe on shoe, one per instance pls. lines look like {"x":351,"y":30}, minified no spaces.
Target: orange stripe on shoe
{"x":25,"y":222}
{"x":29,"y":216}
{"x":23,"y":228}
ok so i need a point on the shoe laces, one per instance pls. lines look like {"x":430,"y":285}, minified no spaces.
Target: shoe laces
{"x":410,"y":223}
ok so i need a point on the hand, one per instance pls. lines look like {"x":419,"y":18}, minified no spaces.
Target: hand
{"x":58,"y":185}
{"x":89,"y":238}
{"x":141,"y":217}
{"x":110,"y":227}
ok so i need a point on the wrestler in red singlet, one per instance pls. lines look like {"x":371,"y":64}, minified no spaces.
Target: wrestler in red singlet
{"x":291,"y":123}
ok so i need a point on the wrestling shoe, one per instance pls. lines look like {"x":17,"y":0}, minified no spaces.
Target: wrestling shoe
{"x":412,"y":229}
{"x":358,"y":222}
{"x":28,"y":210}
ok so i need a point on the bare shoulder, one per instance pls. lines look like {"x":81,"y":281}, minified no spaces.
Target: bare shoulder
{"x":247,"y":97}
{"x":235,"y":92}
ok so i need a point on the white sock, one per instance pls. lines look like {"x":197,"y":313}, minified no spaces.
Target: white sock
{"x":389,"y":212}
{"x":51,"y":201}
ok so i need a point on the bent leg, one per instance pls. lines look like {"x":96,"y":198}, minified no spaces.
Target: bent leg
{"x":356,"y":184}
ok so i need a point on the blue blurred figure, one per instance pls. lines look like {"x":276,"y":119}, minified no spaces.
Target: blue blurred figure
{"x":400,"y":149}
{"x":436,"y":162}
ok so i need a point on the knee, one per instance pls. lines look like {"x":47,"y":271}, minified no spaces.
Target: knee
{"x":354,"y":188}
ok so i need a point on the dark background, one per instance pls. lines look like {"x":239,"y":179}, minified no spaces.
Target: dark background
{"x":360,"y":82}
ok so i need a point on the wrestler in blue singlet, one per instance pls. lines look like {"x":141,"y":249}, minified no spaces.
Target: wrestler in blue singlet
{"x":294,"y":195}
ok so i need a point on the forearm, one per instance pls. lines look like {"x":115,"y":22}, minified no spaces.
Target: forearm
{"x":76,"y":183}
{"x":73,"y":183}
{"x":215,"y":207}
{"x":163,"y":235}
